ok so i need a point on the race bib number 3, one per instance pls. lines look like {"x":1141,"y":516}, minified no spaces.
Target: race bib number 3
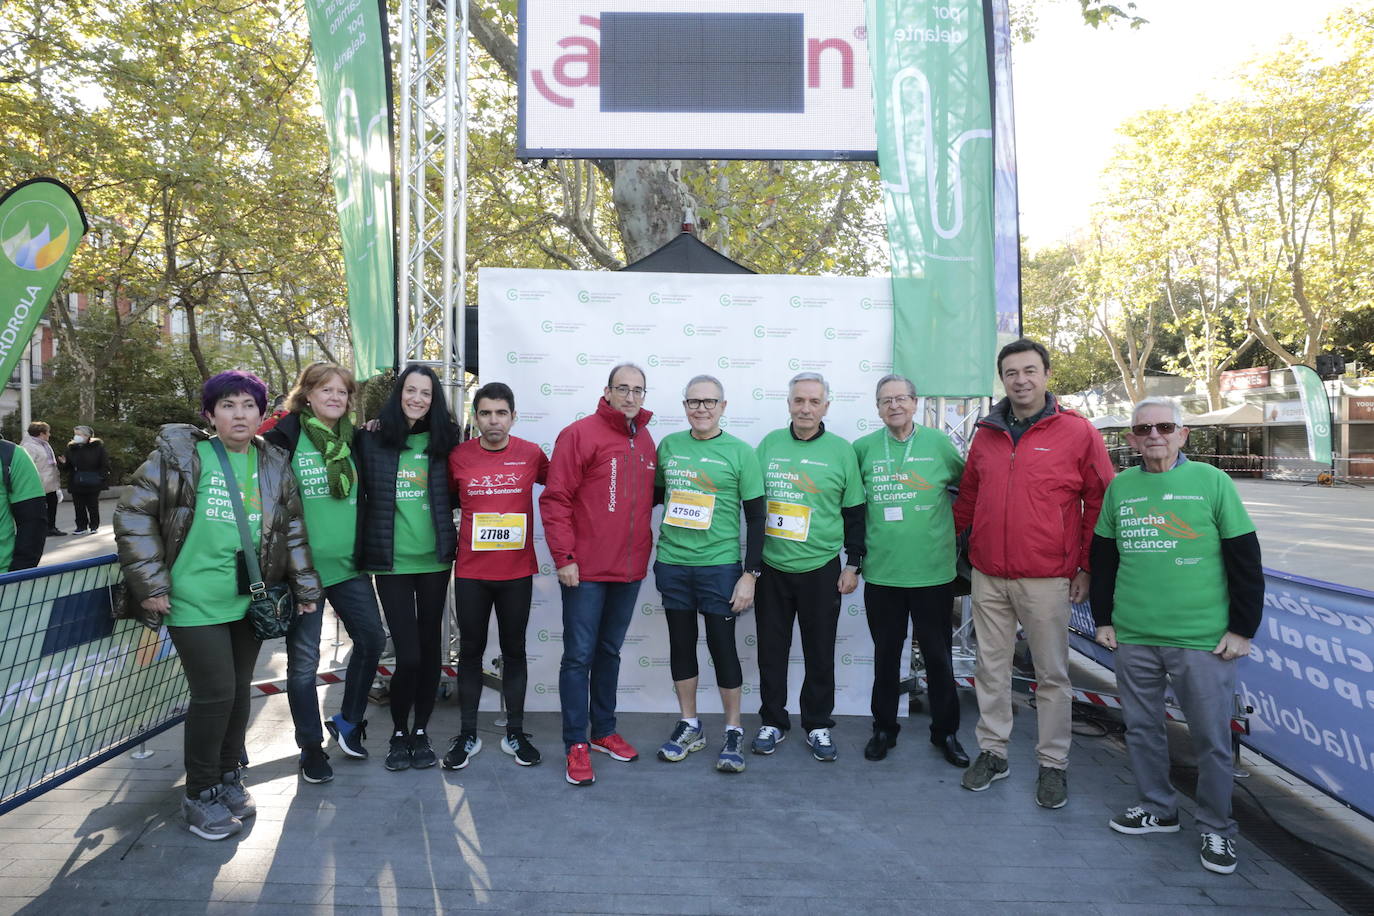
{"x":497,"y":531}
{"x":689,"y":509}
{"x":790,"y":521}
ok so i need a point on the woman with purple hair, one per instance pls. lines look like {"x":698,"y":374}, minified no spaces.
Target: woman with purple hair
{"x":179,"y":548}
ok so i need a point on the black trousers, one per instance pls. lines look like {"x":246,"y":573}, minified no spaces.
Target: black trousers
{"x":218,"y":660}
{"x":87,"y":505}
{"x":413,"y":604}
{"x":813,"y":601}
{"x":928,"y":609}
{"x":51,"y":500}
{"x":475,"y":599}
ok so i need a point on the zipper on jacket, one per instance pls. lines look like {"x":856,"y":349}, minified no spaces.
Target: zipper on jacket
{"x":629,"y":546}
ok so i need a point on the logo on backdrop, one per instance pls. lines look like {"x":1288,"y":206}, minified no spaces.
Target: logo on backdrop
{"x":34,"y":235}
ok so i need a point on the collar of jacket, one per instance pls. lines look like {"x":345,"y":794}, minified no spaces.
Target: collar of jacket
{"x":819,"y":433}
{"x":619,"y":422}
{"x":997,"y":417}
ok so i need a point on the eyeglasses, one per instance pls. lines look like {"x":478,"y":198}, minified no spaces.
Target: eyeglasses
{"x":624,"y":390}
{"x":698,"y":403}
{"x":895,"y":399}
{"x":1143,"y":429}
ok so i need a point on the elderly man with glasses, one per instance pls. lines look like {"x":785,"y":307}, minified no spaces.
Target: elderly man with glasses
{"x":596,"y":508}
{"x":705,"y":477}
{"x":1177,"y":590}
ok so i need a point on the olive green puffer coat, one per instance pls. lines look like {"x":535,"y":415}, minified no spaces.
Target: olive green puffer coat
{"x":153,"y":519}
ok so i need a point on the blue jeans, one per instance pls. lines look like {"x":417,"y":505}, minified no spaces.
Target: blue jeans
{"x":356,"y":604}
{"x":595,"y":618}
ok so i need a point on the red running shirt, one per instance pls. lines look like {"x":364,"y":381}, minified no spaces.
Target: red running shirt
{"x":496,"y":497}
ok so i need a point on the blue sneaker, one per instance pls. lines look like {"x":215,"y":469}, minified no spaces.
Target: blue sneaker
{"x":731,"y":759}
{"x":348,"y":736}
{"x":686,"y":739}
{"x":822,"y":748}
{"x":768,"y":739}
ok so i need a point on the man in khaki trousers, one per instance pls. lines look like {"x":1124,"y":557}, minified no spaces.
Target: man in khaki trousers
{"x":1030,"y":495}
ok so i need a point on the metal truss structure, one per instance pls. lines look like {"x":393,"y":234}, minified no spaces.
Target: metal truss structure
{"x":433,"y":196}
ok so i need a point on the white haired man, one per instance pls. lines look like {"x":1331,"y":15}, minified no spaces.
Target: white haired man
{"x":1177,"y":590}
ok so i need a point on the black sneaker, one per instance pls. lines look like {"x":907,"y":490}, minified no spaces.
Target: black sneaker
{"x":1218,"y":853}
{"x":517,"y":744}
{"x":315,"y":765}
{"x":398,"y":758}
{"x":461,"y":750}
{"x":421,"y":751}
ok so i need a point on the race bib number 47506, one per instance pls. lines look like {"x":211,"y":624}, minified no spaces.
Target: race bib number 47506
{"x":790,"y":521}
{"x":498,"y":531}
{"x":689,"y":509}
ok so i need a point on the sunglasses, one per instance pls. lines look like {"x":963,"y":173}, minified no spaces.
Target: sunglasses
{"x":1143,"y":429}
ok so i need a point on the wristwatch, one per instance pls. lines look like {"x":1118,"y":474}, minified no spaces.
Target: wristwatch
{"x":754,"y":572}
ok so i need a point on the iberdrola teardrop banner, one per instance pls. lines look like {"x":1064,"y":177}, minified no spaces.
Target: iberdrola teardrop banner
{"x":41,"y":223}
{"x":933,"y":108}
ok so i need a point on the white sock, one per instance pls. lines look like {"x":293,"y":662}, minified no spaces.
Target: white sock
{"x":694,"y":721}
{"x":735,"y":728}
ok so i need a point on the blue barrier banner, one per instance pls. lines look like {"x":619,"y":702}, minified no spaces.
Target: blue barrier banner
{"x":1310,"y":679}
{"x":77,"y":687}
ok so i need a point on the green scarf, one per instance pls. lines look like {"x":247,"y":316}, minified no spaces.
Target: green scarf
{"x":333,"y":444}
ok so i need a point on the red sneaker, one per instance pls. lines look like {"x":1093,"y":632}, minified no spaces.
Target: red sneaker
{"x":580,"y":766}
{"x":616,"y":746}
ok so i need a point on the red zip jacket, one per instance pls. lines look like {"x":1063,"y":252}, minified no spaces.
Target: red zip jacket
{"x":600,"y":495}
{"x":1032,"y":505}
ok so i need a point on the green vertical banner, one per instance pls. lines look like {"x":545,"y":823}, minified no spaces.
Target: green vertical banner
{"x":933,"y":107}
{"x":352,"y":50}
{"x":1317,"y":410}
{"x":41,"y":223}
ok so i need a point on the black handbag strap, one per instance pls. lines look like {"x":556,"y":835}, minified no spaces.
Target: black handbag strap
{"x":250,"y":553}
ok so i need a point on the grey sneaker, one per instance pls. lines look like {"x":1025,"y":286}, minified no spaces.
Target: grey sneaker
{"x":1137,"y":820}
{"x":1218,"y":853}
{"x":768,"y":739}
{"x":986,"y":770}
{"x":1051,"y":788}
{"x":731,"y":759}
{"x":822,"y":747}
{"x":686,"y":739}
{"x":207,"y":817}
{"x":235,"y":797}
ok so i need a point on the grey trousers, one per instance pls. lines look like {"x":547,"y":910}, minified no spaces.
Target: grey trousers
{"x":1205,"y":686}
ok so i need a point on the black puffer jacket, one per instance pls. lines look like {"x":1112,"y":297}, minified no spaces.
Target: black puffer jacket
{"x":88,"y":456}
{"x":377,"y":466}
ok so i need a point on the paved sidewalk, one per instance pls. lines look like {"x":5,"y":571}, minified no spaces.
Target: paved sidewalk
{"x":789,"y":835}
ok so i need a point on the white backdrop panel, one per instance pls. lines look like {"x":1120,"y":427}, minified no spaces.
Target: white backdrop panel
{"x":553,"y":336}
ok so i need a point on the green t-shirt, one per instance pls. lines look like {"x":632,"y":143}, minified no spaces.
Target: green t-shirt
{"x":807,"y":483}
{"x":414,"y":545}
{"x":25,"y":484}
{"x":332,"y":523}
{"x":205,"y":585}
{"x":1171,"y":585}
{"x":704,"y":481}
{"x":910,"y":534}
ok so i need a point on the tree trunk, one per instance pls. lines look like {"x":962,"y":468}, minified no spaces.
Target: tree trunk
{"x":649,"y":203}
{"x":193,"y":341}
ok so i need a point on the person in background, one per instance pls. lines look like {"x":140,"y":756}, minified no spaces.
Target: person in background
{"x":407,"y":540}
{"x":493,"y":476}
{"x":23,"y":510}
{"x":179,"y":543}
{"x":88,"y":472}
{"x":1178,"y":592}
{"x":318,"y":435}
{"x":37,"y":443}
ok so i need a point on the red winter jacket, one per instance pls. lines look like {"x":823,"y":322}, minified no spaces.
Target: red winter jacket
{"x":1032,"y":505}
{"x":599,"y":496}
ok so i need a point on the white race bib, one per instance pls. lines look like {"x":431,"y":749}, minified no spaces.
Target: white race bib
{"x":892,"y":513}
{"x":790,"y":521}
{"x":689,"y":509}
{"x":498,"y":531}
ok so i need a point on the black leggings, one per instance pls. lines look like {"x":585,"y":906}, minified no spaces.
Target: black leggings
{"x":720,"y":640}
{"x":218,"y":660}
{"x":475,"y":598}
{"x":413,"y":604}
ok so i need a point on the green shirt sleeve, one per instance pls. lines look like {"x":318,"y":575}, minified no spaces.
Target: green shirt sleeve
{"x":750,"y":475}
{"x":854,"y":485}
{"x":1106,"y":519}
{"x":24,"y":480}
{"x":1231,"y":518}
